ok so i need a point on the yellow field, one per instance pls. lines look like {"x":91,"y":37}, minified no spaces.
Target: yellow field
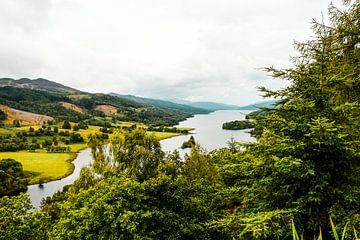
{"x":91,"y":130}
{"x":4,"y":131}
{"x":43,"y":166}
{"x":75,"y":148}
{"x":164,"y":135}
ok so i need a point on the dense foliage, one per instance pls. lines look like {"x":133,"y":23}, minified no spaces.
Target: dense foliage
{"x":2,"y":115}
{"x":47,"y":137}
{"x":47,"y":103}
{"x":39,"y":102}
{"x":238,"y":125}
{"x":12,"y":178}
{"x":189,"y":143}
{"x":304,"y":167}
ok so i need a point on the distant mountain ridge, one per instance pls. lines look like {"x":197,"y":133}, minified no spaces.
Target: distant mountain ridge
{"x":38,"y":84}
{"x":163,"y":103}
{"x":211,"y":106}
{"x":257,"y":106}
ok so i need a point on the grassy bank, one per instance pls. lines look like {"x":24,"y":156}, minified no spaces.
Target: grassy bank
{"x":43,"y":166}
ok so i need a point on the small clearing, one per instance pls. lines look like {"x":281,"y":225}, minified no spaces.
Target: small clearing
{"x":71,"y":107}
{"x":108,"y":110}
{"x":23,"y":116}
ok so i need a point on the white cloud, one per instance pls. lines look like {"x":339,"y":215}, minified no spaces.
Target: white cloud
{"x":193,"y":49}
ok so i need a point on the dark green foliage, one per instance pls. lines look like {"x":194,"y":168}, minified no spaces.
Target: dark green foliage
{"x":167,"y":129}
{"x":98,"y":122}
{"x":48,"y":103}
{"x":154,"y":116}
{"x":307,"y":156}
{"x":76,"y":138}
{"x":76,"y":127}
{"x":40,"y":102}
{"x":238,"y":125}
{"x":12,"y":143}
{"x":82,"y":125}
{"x":189,"y":144}
{"x":19,"y":221}
{"x":66,"y":125}
{"x":16,"y":123}
{"x":259,"y":113}
{"x":140,"y":194}
{"x":2,"y":115}
{"x":12,"y":178}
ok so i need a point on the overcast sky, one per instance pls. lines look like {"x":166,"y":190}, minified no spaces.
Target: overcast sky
{"x":190,"y":49}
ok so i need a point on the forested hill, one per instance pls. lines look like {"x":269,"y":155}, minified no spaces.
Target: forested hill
{"x":259,"y":105}
{"x":88,"y":105}
{"x":38,"y":84}
{"x":211,"y":106}
{"x":163,"y":103}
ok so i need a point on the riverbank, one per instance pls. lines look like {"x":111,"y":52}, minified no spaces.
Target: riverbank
{"x":43,"y":167}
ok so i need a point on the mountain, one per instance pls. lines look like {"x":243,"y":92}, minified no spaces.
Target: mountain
{"x":211,"y":106}
{"x":257,"y":106}
{"x":38,"y":84}
{"x":162,"y":103}
{"x":87,"y":107}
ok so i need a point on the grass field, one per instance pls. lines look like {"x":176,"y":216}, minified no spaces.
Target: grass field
{"x":43,"y":166}
{"x":91,"y":130}
{"x":164,"y":135}
{"x":6,"y":131}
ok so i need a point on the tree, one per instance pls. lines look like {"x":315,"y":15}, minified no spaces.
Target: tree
{"x":20,"y":221}
{"x":199,"y":167}
{"x":12,"y":179}
{"x":16,"y":123}
{"x":66,"y":125}
{"x":2,"y":115}
{"x":306,"y":159}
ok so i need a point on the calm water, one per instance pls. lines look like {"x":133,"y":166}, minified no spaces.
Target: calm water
{"x":83,"y":159}
{"x":207,"y":131}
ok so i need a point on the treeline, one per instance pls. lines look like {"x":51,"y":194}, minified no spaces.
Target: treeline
{"x":47,"y":137}
{"x":238,"y":125}
{"x":12,"y":178}
{"x":47,"y":103}
{"x":39,"y":102}
{"x":167,"y":129}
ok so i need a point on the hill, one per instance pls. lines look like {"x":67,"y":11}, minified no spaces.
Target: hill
{"x":38,"y":84}
{"x":162,"y":103}
{"x":210,"y":106}
{"x":257,"y":106}
{"x":85,"y":106}
{"x":23,"y":116}
{"x":213,"y":106}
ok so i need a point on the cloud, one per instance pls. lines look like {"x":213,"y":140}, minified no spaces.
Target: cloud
{"x":191,"y":49}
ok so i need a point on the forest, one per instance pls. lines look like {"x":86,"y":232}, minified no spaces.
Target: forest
{"x":48,"y":103}
{"x":303,"y":169}
{"x":238,"y":125}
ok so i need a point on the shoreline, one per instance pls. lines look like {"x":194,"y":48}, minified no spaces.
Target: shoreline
{"x":74,"y":155}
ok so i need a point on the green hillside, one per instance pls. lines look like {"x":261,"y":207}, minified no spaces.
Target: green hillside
{"x":163,"y":103}
{"x":49,"y":103}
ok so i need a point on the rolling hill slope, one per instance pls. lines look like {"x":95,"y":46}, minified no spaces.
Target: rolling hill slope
{"x":162,"y":103}
{"x":38,"y":84}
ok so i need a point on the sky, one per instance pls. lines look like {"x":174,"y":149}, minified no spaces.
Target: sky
{"x":197,"y":50}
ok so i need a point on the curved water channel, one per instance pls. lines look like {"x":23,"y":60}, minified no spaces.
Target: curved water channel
{"x":207,"y":131}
